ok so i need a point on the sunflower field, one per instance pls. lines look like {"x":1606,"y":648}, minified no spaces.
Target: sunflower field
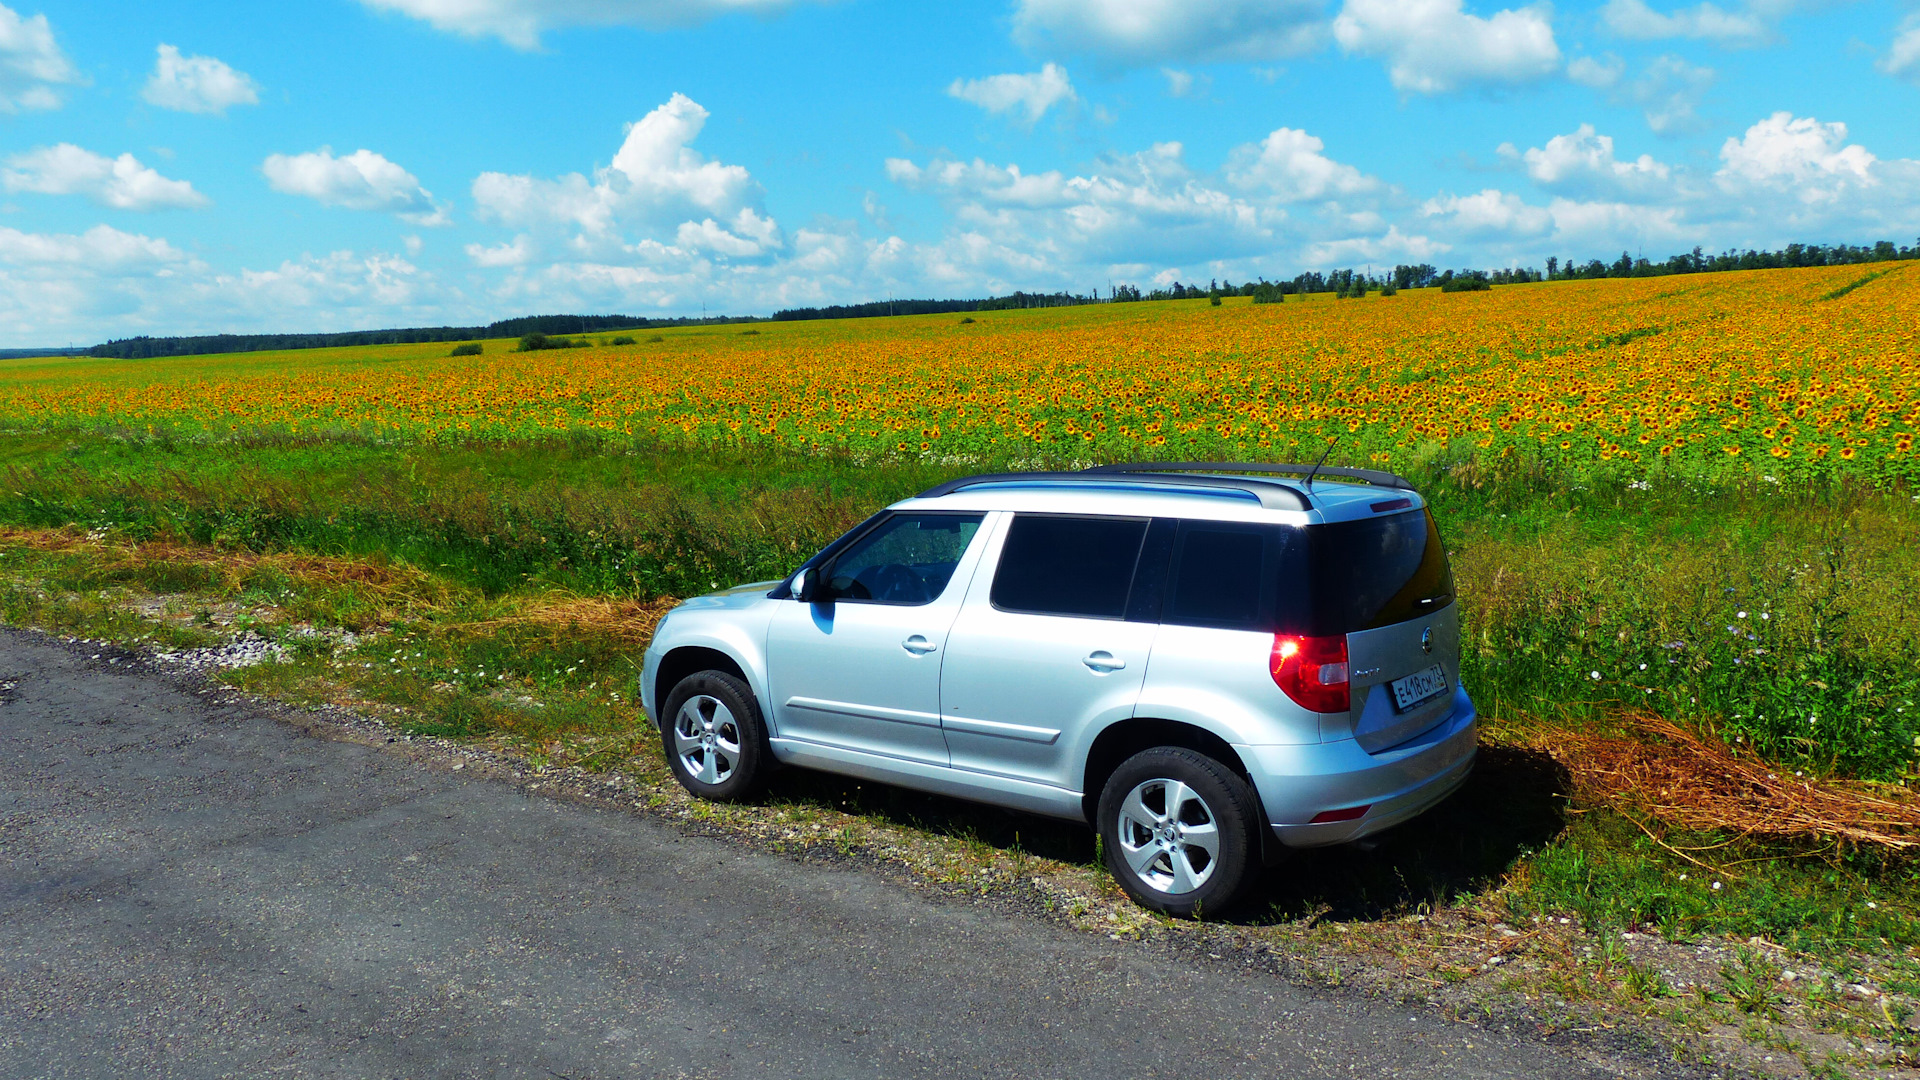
{"x":1793,"y":373}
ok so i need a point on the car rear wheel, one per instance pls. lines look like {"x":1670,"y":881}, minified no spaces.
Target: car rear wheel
{"x":1177,"y":827}
{"x":715,"y":741}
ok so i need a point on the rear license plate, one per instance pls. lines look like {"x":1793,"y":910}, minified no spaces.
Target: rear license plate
{"x":1418,"y":687}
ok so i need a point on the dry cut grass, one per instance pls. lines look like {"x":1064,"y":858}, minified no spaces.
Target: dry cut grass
{"x":630,"y":623}
{"x":391,"y":579}
{"x":1687,"y":782}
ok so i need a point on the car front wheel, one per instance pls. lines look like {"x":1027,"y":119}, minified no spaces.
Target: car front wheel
{"x":714,"y":739}
{"x":1177,"y":827}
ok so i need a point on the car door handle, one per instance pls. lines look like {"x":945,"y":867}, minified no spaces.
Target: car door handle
{"x":1103,"y":661}
{"x":918,"y":645}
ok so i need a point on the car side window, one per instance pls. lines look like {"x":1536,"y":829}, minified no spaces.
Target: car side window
{"x":1063,"y":565}
{"x":1222,"y":575}
{"x":907,"y":559}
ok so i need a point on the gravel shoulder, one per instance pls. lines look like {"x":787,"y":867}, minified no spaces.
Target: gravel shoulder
{"x":195,"y":887}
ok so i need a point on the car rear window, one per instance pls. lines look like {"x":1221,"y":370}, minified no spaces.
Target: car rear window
{"x":1377,"y":572}
{"x":1060,"y":565}
{"x":1317,"y":579}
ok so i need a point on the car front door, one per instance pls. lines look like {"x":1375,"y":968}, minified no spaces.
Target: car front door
{"x":859,"y":667}
{"x":1043,"y":648}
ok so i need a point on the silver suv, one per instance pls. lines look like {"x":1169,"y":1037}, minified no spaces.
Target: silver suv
{"x":1208,"y":666}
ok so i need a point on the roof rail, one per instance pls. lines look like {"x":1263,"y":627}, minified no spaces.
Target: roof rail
{"x":1272,"y":494}
{"x":1375,"y":477}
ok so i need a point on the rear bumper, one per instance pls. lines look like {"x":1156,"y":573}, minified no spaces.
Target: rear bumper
{"x":1296,"y":783}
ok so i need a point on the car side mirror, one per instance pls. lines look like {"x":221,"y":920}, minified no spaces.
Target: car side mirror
{"x":806,"y":585}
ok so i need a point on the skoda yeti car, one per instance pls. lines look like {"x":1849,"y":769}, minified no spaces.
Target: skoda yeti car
{"x":1208,"y":663}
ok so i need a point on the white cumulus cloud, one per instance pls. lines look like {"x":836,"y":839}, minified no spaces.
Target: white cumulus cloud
{"x":1668,"y":90}
{"x":1150,"y":216}
{"x":107,"y":283}
{"x":339,"y":282}
{"x":1584,"y":162}
{"x":656,"y":184}
{"x":517,"y":252}
{"x":1903,"y":59}
{"x":362,"y":180}
{"x":1031,"y":94}
{"x":32,"y":67}
{"x":1393,"y":246}
{"x":1435,"y":46}
{"x":1289,"y":163}
{"x":1490,"y":213}
{"x":1707,"y":21}
{"x":1797,"y":154}
{"x":1784,"y":179}
{"x":1500,"y":220}
{"x":1590,"y":226}
{"x":197,"y":84}
{"x":1602,"y":74}
{"x":122,"y":183}
{"x":519,"y":23}
{"x":1147,"y":206}
{"x":101,"y":248}
{"x":1145,"y":33}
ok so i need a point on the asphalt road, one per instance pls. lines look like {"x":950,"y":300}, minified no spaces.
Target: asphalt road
{"x":197,"y":889}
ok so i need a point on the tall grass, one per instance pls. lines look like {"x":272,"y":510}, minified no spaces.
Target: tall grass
{"x":1785,"y":622}
{"x":1784,"y":619}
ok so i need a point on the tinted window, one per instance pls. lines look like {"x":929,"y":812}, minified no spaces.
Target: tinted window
{"x":1222,"y":575}
{"x":1068,"y":565}
{"x":907,"y":559}
{"x":1322,"y":579}
{"x":1150,"y":580}
{"x":1378,"y":572}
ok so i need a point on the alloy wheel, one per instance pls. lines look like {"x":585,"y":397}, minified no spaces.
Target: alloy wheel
{"x":706,"y":737}
{"x":1168,"y":836}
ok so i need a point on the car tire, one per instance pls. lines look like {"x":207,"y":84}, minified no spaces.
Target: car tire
{"x":1197,"y":859}
{"x":714,"y":737}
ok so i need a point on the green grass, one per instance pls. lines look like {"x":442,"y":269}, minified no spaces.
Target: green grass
{"x":1852,"y":285}
{"x":1813,"y":898}
{"x":573,"y":514}
{"x":433,"y":550}
{"x":1782,"y":617}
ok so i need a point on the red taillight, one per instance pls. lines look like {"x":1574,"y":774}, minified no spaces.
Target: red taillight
{"x":1351,"y":813}
{"x":1312,"y":671}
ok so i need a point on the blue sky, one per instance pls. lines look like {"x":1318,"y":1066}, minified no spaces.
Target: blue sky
{"x":171,"y":167}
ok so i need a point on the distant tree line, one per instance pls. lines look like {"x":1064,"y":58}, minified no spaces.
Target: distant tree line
{"x":142,"y":347}
{"x":21,"y":354}
{"x":1695,"y":262}
{"x":1345,"y":283}
{"x":1341,"y":283}
{"x":877,"y":308}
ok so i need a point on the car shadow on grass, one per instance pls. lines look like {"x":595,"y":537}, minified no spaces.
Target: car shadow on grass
{"x":1510,"y":806}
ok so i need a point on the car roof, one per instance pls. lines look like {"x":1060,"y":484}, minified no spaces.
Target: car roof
{"x":1210,"y":495}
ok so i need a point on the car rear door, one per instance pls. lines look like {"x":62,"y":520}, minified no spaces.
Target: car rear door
{"x":1387,"y":581}
{"x":1042,"y":647}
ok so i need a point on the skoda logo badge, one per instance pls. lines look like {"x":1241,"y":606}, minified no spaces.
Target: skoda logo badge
{"x":1426,"y":640}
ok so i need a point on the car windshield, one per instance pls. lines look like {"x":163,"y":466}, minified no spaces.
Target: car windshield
{"x":907,"y":559}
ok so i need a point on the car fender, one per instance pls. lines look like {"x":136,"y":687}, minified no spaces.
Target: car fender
{"x":1229,"y":716}
{"x":742,"y":641}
